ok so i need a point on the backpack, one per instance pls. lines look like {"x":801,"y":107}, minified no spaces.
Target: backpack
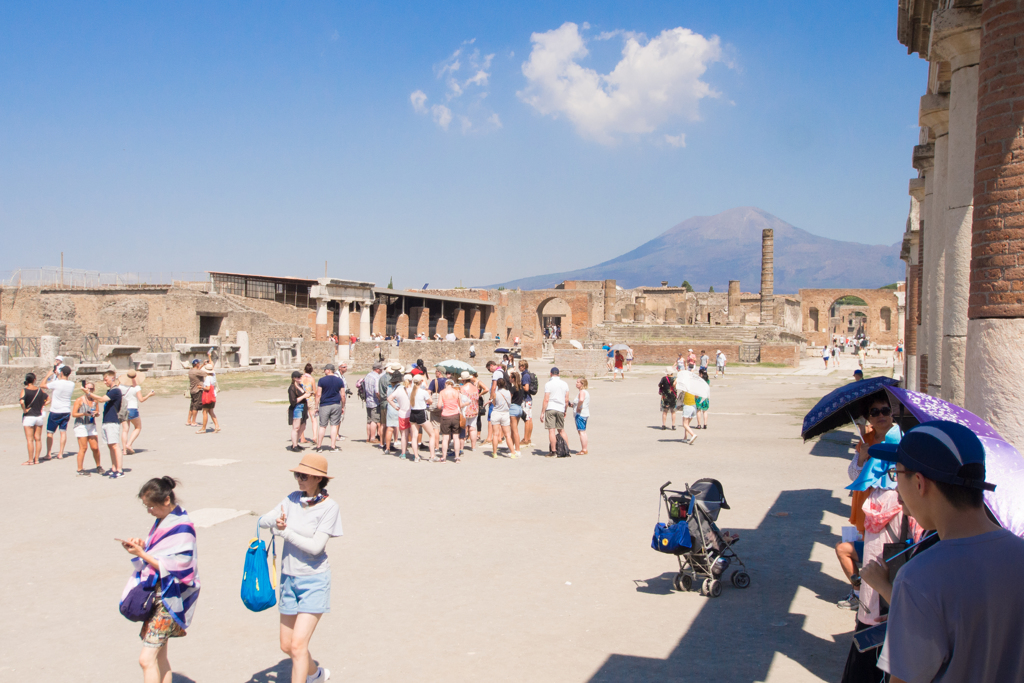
{"x":258,"y":590}
{"x":361,"y":390}
{"x":666,"y":388}
{"x":532,"y":379}
{"x":561,"y":447}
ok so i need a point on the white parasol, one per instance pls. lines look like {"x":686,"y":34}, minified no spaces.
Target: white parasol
{"x":691,"y":384}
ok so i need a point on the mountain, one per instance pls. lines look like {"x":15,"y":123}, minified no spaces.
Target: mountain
{"x":711,"y":250}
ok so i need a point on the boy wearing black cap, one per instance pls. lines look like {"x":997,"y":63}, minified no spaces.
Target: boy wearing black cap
{"x":957,"y":610}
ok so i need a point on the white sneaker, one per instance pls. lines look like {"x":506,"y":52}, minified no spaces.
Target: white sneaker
{"x":321,"y":675}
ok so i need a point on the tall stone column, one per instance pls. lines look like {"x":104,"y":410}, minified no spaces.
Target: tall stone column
{"x":767,"y":276}
{"x":956,"y":38}
{"x":321,"y":320}
{"x":364,"y":322}
{"x":734,"y":301}
{"x":474,"y":323}
{"x":995,"y":328}
{"x":609,"y":300}
{"x":343,"y":321}
{"x":459,"y":326}
{"x":935,"y":115}
{"x":380,"y":319}
{"x":924,"y":162}
{"x":913,"y":293}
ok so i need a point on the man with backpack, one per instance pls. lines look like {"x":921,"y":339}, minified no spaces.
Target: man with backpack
{"x":530,"y":385}
{"x":555,"y":407}
{"x":667,"y":391}
{"x":368,"y":388}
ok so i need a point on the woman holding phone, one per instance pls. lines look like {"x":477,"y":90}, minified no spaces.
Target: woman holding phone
{"x":33,"y":400}
{"x":306,"y":519}
{"x":166,"y":560}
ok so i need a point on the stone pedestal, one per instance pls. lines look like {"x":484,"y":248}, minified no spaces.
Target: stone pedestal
{"x":491,"y":325}
{"x":5,"y":355}
{"x":49,"y":349}
{"x":402,"y":326}
{"x":420,"y":317}
{"x":118,"y":356}
{"x":242,"y":339}
{"x":189,"y":352}
{"x":380,"y":320}
{"x":364,"y":322}
{"x":229,"y":356}
{"x":441,"y":328}
{"x":990,"y":392}
{"x":640,"y":309}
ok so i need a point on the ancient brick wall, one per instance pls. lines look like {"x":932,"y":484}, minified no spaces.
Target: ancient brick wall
{"x":364,"y":353}
{"x":666,"y":354}
{"x":580,"y":363}
{"x":787,"y":354}
{"x":12,"y":381}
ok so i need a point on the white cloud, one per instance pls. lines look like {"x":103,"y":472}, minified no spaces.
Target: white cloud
{"x":442,"y":115}
{"x":464,"y":73}
{"x":656,"y":81}
{"x":676,"y":140}
{"x":418,"y":100}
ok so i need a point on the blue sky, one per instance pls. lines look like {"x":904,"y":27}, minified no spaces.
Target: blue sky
{"x":269,"y":137}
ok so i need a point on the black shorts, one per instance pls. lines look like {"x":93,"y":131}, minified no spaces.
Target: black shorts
{"x":418,"y":417}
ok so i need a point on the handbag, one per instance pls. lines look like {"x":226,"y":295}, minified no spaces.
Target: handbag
{"x":259,"y":585}
{"x":209,"y":395}
{"x":673,"y":539}
{"x":139,"y":603}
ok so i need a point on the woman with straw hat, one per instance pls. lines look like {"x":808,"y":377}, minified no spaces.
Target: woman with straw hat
{"x":305,"y":520}
{"x":132,"y":392}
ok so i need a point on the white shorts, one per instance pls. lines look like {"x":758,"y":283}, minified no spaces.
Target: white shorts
{"x":527,"y":409}
{"x":689,"y":411}
{"x":28,"y":421}
{"x":85,"y":431}
{"x":500,"y":419}
{"x":112,"y":433}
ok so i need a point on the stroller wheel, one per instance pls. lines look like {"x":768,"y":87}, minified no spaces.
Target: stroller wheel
{"x":683,"y":582}
{"x":715,"y":589}
{"x":705,"y":587}
{"x":740,"y":579}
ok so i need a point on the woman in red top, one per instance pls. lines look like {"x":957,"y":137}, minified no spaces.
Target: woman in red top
{"x":619,"y":361}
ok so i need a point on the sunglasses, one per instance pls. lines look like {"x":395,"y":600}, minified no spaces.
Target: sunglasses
{"x":301,"y":476}
{"x":875,"y":412}
{"x":893,"y":472}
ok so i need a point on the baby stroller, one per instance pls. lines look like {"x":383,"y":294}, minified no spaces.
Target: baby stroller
{"x":710,"y":553}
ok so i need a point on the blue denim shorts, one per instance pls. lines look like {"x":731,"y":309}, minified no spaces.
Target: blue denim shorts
{"x":306,"y":594}
{"x":581,"y":423}
{"x":133,"y":413}
{"x":297,"y":412}
{"x":515,"y":410}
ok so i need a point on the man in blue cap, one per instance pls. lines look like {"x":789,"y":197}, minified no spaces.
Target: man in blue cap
{"x":957,"y":610}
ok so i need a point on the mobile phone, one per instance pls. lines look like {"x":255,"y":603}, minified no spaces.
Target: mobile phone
{"x":870,"y":638}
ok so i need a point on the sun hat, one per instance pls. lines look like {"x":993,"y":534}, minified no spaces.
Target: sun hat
{"x":312,"y":463}
{"x":937,"y":449}
{"x":670,"y":369}
{"x":126,"y":378}
{"x":209,"y":367}
{"x":465,"y":375}
{"x":406,"y":377}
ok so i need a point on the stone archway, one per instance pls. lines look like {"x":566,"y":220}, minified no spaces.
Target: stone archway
{"x":832,"y":321}
{"x":555,"y":311}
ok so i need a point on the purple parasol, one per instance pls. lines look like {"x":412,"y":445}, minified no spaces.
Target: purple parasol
{"x":1004,"y":466}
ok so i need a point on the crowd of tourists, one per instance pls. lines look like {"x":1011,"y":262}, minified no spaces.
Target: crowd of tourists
{"x":423,"y":415}
{"x":941,"y":609}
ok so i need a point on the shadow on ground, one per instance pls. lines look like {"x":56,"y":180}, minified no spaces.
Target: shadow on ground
{"x":835,"y":444}
{"x":279,"y":673}
{"x":735,"y":637}
{"x":180,"y":678}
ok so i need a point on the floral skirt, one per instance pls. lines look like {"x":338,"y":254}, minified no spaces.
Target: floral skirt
{"x":703,"y":403}
{"x":160,"y":626}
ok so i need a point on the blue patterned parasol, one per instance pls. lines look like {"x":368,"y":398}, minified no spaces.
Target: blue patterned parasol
{"x":833,"y":411}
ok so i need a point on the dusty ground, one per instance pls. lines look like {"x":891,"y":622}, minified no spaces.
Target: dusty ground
{"x":505,"y":570}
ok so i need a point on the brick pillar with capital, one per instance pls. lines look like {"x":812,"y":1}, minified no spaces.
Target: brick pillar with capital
{"x":995,"y":329}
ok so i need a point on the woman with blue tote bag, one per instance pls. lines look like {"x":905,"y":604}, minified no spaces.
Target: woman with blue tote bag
{"x":305,"y":520}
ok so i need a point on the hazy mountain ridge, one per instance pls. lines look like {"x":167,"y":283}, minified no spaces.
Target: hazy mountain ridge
{"x":711,"y":250}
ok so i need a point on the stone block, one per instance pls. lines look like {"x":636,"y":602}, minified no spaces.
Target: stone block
{"x":49,"y":349}
{"x":118,"y":356}
{"x":242,"y":339}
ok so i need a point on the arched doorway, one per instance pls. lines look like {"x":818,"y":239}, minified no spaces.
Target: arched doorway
{"x":555,"y":313}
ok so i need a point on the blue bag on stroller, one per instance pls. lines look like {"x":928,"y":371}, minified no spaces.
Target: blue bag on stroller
{"x":672,"y":538}
{"x":259,"y":590}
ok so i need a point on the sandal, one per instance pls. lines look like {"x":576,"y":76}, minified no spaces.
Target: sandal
{"x":201,"y":431}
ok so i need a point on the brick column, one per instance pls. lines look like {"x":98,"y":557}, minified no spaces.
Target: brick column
{"x":767,"y":276}
{"x":459,"y":326}
{"x":442,"y":327}
{"x":474,"y":323}
{"x":380,"y":319}
{"x":995,"y":331}
{"x":956,"y":38}
{"x":402,"y":326}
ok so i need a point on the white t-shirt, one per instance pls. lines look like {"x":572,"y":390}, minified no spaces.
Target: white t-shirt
{"x":305,"y":521}
{"x":419,"y":402}
{"x":720,"y":359}
{"x":401,"y":395}
{"x":131,"y":396}
{"x":502,"y":401}
{"x":556,"y":391}
{"x":497,"y":374}
{"x":582,"y":403}
{"x":60,"y":395}
{"x":957,"y":612}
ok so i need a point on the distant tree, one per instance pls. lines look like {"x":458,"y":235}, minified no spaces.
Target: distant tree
{"x":687,"y":286}
{"x":391,"y":283}
{"x":711,"y":290}
{"x":892,"y":287}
